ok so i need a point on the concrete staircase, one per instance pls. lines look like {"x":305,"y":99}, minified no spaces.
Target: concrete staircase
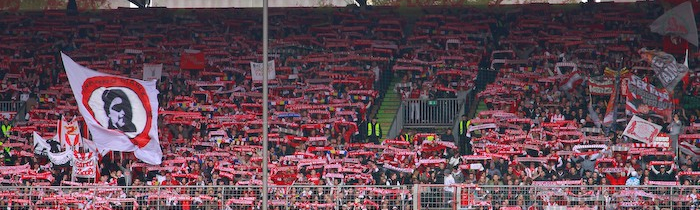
{"x":387,"y":110}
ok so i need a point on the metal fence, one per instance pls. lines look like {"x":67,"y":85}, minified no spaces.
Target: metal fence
{"x":206,"y":197}
{"x":429,"y":113}
{"x":427,"y":197}
{"x":10,"y":106}
{"x":554,"y":197}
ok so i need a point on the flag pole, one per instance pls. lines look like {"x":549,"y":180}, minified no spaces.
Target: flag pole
{"x":265,"y":107}
{"x":678,"y":106}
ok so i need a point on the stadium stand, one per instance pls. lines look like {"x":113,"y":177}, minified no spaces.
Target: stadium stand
{"x":540,"y":122}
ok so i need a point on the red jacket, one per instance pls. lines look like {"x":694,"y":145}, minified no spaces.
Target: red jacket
{"x":616,"y":180}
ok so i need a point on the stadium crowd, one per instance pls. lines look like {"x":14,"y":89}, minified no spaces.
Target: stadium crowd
{"x":331,"y":71}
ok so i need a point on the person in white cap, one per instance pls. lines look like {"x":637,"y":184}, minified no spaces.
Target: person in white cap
{"x":633,"y":180}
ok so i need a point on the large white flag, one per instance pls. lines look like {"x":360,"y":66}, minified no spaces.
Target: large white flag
{"x":121,"y":113}
{"x":642,"y":130}
{"x":678,"y":21}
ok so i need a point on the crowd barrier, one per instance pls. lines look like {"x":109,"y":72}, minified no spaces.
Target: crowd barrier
{"x":205,"y":197}
{"x":456,"y":197}
{"x":10,"y":106}
{"x":554,"y":196}
{"x":431,"y":113}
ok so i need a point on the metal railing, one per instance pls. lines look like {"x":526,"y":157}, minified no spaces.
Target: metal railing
{"x":555,"y":197}
{"x":206,"y":197}
{"x":549,"y":197}
{"x":10,"y":106}
{"x":431,"y":113}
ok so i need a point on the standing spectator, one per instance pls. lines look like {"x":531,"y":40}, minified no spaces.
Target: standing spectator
{"x":449,"y":181}
{"x":374,"y":131}
{"x":6,"y":127}
{"x":423,"y":111}
{"x":662,"y":174}
{"x":674,"y":129}
{"x":170,"y":181}
{"x":362,"y":136}
{"x":125,"y":169}
{"x":407,"y":136}
{"x":447,"y":136}
{"x":375,"y":171}
{"x":455,"y":160}
{"x":377,"y":74}
{"x":492,"y":170}
{"x":414,"y":109}
{"x":465,"y":146}
{"x":616,"y":179}
{"x":7,"y":156}
{"x":458,"y":175}
{"x":587,"y":161}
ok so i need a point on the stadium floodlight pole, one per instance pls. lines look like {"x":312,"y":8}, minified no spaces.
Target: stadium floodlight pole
{"x":265,"y":109}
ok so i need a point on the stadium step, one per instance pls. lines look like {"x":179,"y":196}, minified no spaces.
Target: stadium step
{"x":481,"y":107}
{"x":387,"y":110}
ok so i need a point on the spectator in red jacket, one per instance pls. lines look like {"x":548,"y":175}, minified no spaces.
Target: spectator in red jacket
{"x":170,"y":181}
{"x":616,"y":179}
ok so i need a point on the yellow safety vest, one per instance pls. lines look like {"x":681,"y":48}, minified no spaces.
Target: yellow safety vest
{"x":6,"y":130}
{"x":407,"y":137}
{"x":463,"y":129}
{"x":8,"y":151}
{"x":376,"y":128}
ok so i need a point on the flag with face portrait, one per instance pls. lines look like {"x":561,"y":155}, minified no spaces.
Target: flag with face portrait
{"x":121,"y":113}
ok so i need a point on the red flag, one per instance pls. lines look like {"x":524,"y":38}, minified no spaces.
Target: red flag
{"x":610,"y":110}
{"x":675,"y":45}
{"x":192,"y":61}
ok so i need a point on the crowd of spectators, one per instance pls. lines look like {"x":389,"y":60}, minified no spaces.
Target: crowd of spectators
{"x":330,"y":67}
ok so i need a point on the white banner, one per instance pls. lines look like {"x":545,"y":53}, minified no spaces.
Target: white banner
{"x":61,"y":157}
{"x":85,"y":165}
{"x":121,"y":113}
{"x":41,"y":147}
{"x":481,"y":127}
{"x":133,"y":51}
{"x":152,"y":71}
{"x":256,"y":70}
{"x":642,"y":130}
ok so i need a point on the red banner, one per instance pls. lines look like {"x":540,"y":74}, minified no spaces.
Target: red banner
{"x":601,"y":87}
{"x":644,"y":98}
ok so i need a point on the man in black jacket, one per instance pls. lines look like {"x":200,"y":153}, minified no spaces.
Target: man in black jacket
{"x":464,"y":144}
{"x":448,"y":136}
{"x":362,"y":131}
